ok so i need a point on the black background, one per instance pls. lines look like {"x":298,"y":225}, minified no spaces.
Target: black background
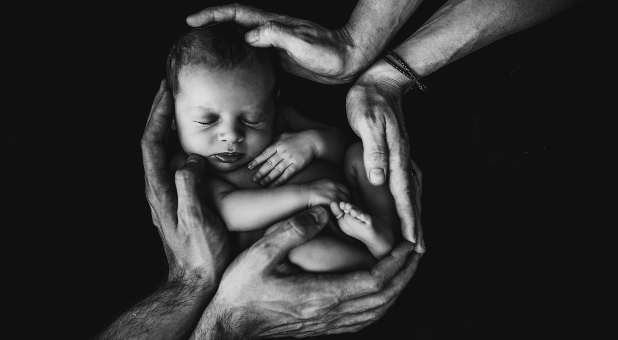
{"x":498,"y":137}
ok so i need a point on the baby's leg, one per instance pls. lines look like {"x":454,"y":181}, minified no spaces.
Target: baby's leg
{"x":375,"y":229}
{"x":327,"y":253}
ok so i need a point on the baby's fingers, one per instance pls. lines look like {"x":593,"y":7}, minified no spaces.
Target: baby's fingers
{"x":287,"y":173}
{"x":267,"y":167}
{"x":269,"y":151}
{"x":343,"y":193}
{"x":275,"y":172}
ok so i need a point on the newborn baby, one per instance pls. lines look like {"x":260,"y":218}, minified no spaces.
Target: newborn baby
{"x":267,"y":161}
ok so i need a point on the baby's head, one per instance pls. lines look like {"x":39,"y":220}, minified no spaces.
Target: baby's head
{"x":224,"y":94}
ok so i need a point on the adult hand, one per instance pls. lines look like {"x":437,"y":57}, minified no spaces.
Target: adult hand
{"x":374,"y":112}
{"x":255,"y":299}
{"x":306,"y":49}
{"x":195,"y":240}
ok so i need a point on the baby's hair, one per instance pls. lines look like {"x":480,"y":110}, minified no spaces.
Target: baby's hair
{"x":218,"y":46}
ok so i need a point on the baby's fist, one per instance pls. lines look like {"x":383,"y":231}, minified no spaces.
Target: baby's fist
{"x":324,"y":191}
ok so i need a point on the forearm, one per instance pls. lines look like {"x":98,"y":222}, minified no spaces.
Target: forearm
{"x":373,"y":23}
{"x":252,"y":209}
{"x":461,"y":27}
{"x":327,"y":144}
{"x":218,"y":323}
{"x":170,"y":313}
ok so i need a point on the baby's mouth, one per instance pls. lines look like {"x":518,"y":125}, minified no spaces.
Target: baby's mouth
{"x":228,"y":157}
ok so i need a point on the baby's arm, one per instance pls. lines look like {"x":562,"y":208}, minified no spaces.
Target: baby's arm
{"x":250,"y":209}
{"x":327,"y":140}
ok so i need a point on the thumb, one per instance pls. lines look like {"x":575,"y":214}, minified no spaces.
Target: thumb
{"x":375,"y":158}
{"x":272,"y":34}
{"x":187,"y":179}
{"x":279,"y":239}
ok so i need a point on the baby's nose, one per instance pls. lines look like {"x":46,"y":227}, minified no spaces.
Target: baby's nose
{"x":231,"y":136}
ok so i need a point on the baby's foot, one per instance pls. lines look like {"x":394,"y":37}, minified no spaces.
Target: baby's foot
{"x":358,"y":224}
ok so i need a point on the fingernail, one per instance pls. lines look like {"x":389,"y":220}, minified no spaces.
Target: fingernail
{"x":311,"y":218}
{"x":250,"y":166}
{"x":251,"y":37}
{"x":318,"y":214}
{"x":376,"y":176}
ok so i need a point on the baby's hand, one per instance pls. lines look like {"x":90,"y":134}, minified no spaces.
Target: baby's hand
{"x":324,"y":191}
{"x":288,"y":155}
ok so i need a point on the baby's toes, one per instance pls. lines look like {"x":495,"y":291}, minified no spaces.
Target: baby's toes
{"x":359,"y":214}
{"x":337,"y":211}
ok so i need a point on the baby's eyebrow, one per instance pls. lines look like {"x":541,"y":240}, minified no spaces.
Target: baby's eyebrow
{"x":202,"y":110}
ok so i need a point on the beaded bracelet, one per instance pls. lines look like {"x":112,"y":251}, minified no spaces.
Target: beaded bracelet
{"x":400,"y":65}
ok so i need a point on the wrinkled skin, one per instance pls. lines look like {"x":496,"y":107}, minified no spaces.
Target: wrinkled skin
{"x":375,"y":115}
{"x":195,"y":240}
{"x":306,"y":49}
{"x":254,"y":291}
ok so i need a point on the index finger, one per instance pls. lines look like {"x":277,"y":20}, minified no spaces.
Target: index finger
{"x":399,"y":178}
{"x":386,"y":296}
{"x":159,"y":191}
{"x":264,"y":155}
{"x":279,"y":239}
{"x":241,"y":14}
{"x":159,"y":118}
{"x":187,"y":180}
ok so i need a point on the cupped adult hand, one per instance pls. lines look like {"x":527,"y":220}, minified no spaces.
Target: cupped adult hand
{"x":374,"y":111}
{"x":306,"y":48}
{"x":195,"y":240}
{"x":256,"y":299}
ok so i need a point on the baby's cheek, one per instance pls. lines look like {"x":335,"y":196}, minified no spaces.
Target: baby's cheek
{"x":193,"y":144}
{"x":257,"y":141}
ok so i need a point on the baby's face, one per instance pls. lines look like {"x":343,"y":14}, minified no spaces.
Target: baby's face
{"x":227,"y":116}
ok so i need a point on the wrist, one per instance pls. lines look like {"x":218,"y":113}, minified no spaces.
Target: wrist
{"x":198,"y":279}
{"x":221,"y":322}
{"x":384,"y":74}
{"x":355,"y":57}
{"x":315,"y":142}
{"x":305,"y":193}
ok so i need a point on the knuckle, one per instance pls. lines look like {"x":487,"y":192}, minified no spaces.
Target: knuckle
{"x":182,"y":175}
{"x":294,"y":227}
{"x":266,"y":249}
{"x":376,"y":285}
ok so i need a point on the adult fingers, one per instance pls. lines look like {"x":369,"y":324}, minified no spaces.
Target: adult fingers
{"x":267,"y":167}
{"x":417,"y":181}
{"x":287,"y":173}
{"x":241,"y":14}
{"x":187,"y":179}
{"x":282,"y":237}
{"x":391,"y":264}
{"x":159,"y":119}
{"x":273,"y":34}
{"x":275,"y":172}
{"x":159,"y":191}
{"x":343,"y":192}
{"x":157,"y":126}
{"x":264,"y":155}
{"x":356,"y":284}
{"x":375,"y":152}
{"x":388,"y":294}
{"x":400,"y":176}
